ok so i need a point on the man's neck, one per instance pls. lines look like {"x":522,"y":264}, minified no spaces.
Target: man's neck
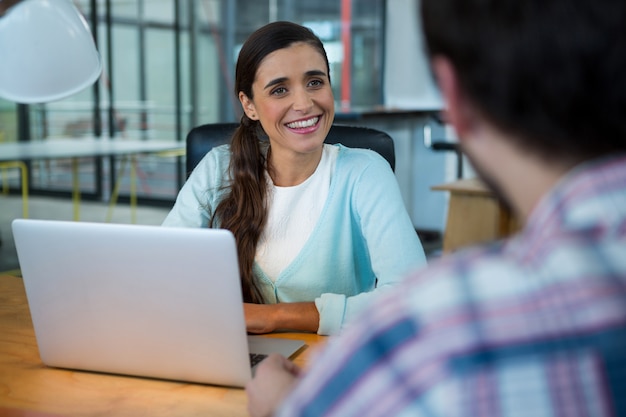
{"x":522,"y":177}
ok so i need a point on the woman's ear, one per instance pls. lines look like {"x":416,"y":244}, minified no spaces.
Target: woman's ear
{"x":248,"y":106}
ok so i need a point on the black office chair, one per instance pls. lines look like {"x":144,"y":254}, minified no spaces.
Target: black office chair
{"x":202,"y":139}
{"x":442,"y":145}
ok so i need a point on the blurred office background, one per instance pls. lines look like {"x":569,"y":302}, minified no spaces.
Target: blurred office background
{"x":169,"y":65}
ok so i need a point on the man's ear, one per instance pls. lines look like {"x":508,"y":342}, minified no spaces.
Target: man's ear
{"x":458,"y":109}
{"x":248,"y":106}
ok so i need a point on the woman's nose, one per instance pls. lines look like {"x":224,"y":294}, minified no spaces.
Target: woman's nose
{"x":302,"y":101}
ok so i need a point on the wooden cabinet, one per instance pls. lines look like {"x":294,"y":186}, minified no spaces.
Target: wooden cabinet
{"x":474,"y":215}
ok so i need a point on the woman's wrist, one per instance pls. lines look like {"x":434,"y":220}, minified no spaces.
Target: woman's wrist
{"x":301,"y":316}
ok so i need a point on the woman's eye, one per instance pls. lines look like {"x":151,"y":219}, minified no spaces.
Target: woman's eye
{"x":316,"y":83}
{"x":279,"y":91}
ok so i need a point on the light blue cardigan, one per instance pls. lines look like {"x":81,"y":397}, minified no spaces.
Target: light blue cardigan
{"x":364,"y":238}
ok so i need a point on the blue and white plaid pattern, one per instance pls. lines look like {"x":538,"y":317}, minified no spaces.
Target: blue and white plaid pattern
{"x":535,"y":326}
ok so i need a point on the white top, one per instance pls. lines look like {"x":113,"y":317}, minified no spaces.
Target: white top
{"x":293,"y":214}
{"x":363,"y":242}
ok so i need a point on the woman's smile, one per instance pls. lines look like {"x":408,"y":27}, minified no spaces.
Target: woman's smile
{"x":304,"y":125}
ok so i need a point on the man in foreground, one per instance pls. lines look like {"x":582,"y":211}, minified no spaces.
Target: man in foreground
{"x":536,"y":325}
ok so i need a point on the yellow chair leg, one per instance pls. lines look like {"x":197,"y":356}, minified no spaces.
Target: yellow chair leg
{"x":75,"y":189}
{"x":24,"y":172}
{"x":5,"y":182}
{"x":133,"y":190}
{"x":116,"y":190}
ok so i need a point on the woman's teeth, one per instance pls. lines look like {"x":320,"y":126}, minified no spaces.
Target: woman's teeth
{"x":303,"y":123}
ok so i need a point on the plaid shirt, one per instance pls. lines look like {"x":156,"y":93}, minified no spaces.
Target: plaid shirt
{"x":535,"y":326}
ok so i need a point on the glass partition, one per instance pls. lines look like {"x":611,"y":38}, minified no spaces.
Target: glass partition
{"x":168,"y":66}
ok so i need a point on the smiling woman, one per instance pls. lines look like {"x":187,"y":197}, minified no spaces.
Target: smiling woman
{"x":295,"y":109}
{"x":320,"y":228}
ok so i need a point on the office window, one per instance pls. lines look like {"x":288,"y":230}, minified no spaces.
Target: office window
{"x":169,"y":66}
{"x":360,"y":86}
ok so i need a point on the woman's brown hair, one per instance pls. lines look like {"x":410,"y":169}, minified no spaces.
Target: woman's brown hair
{"x":243,"y":210}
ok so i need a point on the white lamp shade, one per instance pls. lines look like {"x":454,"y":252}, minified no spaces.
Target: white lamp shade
{"x":46,"y":52}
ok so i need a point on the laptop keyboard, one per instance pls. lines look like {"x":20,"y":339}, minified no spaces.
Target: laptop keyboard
{"x":255,"y":358}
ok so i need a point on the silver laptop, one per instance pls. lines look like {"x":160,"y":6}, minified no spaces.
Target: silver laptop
{"x":139,"y":300}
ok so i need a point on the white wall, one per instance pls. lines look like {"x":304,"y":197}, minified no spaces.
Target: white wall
{"x":408,"y":83}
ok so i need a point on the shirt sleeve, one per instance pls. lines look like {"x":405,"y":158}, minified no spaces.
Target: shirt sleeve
{"x":197,"y":198}
{"x":358,"y":373}
{"x":391,"y":240}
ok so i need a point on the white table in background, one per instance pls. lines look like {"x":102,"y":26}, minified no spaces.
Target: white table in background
{"x":17,"y":153}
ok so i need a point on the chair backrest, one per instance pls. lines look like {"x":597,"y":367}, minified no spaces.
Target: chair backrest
{"x":202,"y":139}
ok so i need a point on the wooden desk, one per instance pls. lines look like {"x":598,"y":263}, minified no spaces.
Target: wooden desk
{"x":27,"y":387}
{"x":474,"y":215}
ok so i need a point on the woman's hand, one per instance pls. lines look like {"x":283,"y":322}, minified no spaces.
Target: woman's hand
{"x":266,"y":318}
